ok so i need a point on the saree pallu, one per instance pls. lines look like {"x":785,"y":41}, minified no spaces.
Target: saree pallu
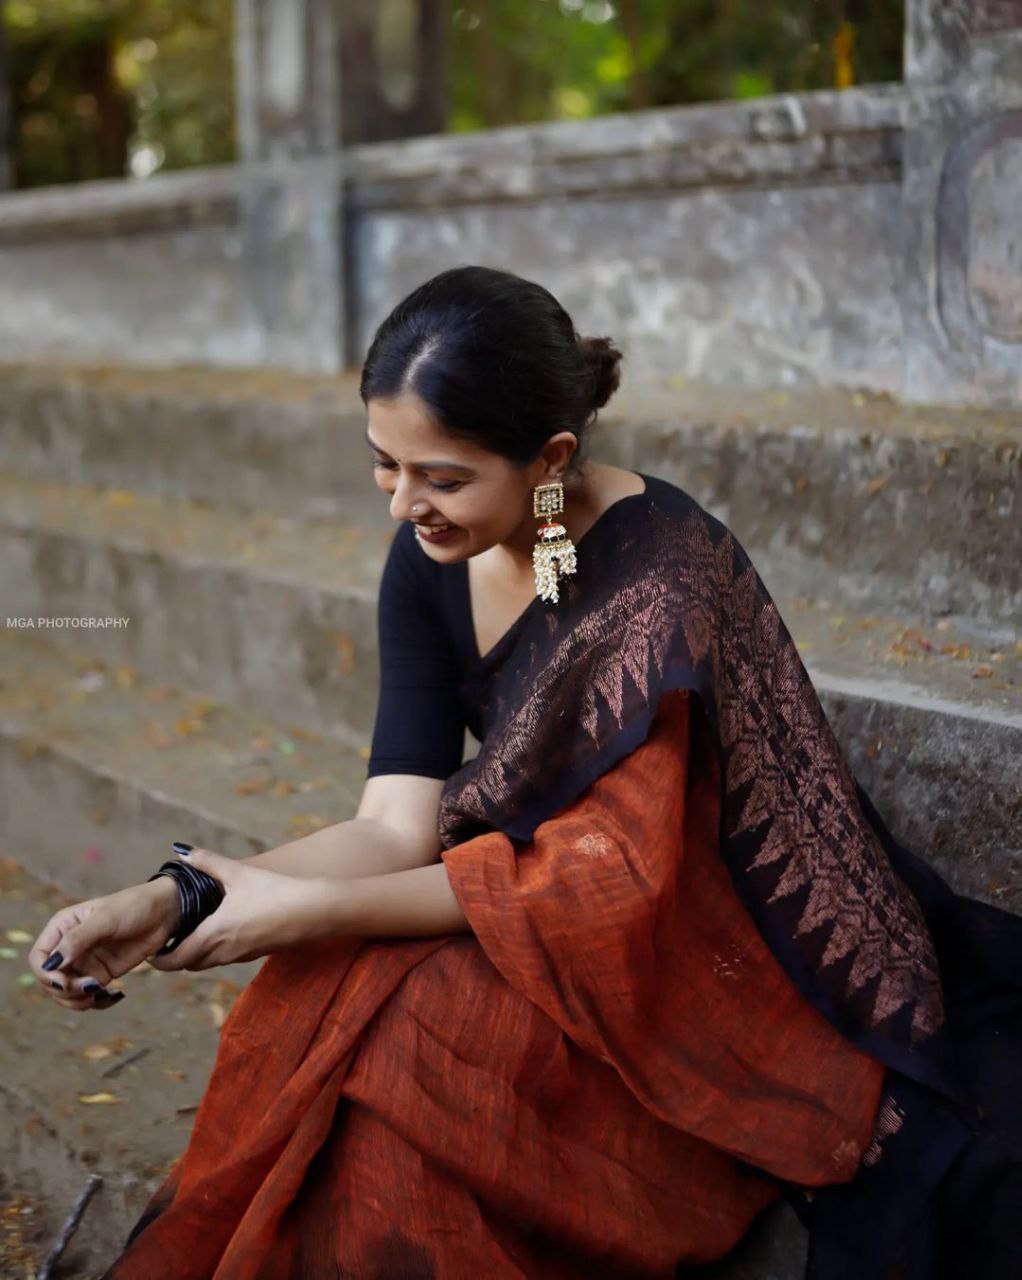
{"x":609,"y":1075}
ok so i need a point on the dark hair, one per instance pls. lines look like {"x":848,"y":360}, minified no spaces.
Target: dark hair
{"x":497,"y":360}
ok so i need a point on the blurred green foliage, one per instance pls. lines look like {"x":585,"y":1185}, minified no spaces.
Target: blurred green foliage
{"x":102,"y":88}
{"x":106,"y":87}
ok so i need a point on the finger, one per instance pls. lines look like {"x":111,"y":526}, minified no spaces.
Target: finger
{"x":72,"y":956}
{"x":49,"y":942}
{"x":76,"y":1001}
{"x":214,"y":864}
{"x":192,"y":952}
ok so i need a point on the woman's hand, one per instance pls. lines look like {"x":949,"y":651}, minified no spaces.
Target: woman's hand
{"x":101,"y":939}
{"x":262,"y":911}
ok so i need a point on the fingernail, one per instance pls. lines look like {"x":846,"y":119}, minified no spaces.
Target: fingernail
{"x":51,"y":962}
{"x":179,"y":846}
{"x":58,"y":985}
{"x":93,"y":988}
{"x":114,"y":996}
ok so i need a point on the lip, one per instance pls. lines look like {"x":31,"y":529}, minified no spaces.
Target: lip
{"x":436,"y":533}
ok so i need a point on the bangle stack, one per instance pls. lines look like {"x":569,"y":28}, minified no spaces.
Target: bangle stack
{"x":200,"y":896}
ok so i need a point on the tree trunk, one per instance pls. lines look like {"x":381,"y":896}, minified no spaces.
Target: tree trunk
{"x":394,"y":69}
{"x":639,"y":93}
{"x":6,"y":113}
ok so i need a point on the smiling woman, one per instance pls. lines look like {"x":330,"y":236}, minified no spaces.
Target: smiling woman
{"x":597,"y":996}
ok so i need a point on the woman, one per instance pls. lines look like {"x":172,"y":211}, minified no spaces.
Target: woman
{"x":586,"y":1003}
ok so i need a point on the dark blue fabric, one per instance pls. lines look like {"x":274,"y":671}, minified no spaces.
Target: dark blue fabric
{"x":420,"y":724}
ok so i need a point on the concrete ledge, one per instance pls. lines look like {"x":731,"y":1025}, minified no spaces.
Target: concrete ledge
{"x":829,"y":137}
{"x":834,"y":494}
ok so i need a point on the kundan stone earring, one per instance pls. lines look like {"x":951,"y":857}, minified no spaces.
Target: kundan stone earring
{"x":553,"y":556}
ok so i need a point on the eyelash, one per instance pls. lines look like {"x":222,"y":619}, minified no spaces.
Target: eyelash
{"x":444,"y":488}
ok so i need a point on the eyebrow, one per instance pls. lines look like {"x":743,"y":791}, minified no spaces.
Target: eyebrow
{"x":425,"y":466}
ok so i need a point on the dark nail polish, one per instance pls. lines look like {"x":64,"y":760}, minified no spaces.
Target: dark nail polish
{"x":114,"y":996}
{"x":94,"y":989}
{"x":179,"y":846}
{"x":58,"y":985}
{"x":51,"y":962}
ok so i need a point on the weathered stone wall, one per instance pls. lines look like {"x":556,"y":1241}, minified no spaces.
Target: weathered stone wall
{"x":962,"y":201}
{"x":742,"y":244}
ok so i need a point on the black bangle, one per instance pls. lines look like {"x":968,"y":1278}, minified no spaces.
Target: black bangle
{"x":199,"y":894}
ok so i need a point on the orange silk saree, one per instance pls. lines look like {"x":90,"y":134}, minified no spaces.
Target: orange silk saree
{"x":603,"y":1078}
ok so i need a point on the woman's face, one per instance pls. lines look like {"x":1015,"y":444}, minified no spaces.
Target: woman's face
{"x":450,"y":481}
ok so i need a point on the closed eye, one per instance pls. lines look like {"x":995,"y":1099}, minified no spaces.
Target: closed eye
{"x":432,"y":484}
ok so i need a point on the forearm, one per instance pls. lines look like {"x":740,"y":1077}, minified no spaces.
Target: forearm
{"x":358,"y":847}
{"x":414,"y":903}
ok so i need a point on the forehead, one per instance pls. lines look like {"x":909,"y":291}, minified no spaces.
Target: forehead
{"x":406,"y":430}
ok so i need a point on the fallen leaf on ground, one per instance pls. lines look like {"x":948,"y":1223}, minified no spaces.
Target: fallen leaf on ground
{"x":103,"y":1098}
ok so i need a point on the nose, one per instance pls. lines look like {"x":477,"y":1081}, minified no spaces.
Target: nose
{"x":403,"y":499}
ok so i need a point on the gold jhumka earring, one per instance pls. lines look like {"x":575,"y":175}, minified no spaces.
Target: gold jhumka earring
{"x":553,"y":556}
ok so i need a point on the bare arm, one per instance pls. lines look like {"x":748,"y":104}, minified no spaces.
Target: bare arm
{"x":394,"y":829}
{"x":415,"y":903}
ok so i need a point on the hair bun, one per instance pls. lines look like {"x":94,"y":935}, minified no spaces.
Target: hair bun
{"x":602,"y":359}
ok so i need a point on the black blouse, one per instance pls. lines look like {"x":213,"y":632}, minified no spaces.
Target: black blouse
{"x":430,"y":665}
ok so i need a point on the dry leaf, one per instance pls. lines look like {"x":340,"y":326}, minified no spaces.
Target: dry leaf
{"x":983,"y":672}
{"x":877,"y":483}
{"x":106,"y":1048}
{"x":253,"y":787}
{"x":18,"y":935}
{"x":345,"y":653}
{"x":96,"y":1052}
{"x":217,"y":1012}
{"x":104,"y":1098}
{"x":186,"y":727}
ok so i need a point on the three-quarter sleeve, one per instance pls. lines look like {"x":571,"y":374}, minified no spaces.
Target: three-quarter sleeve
{"x":420,"y":726}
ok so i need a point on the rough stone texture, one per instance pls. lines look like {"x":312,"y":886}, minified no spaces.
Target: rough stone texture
{"x":754,"y":243}
{"x":831,"y":492}
{"x":733,"y":287}
{"x":961,"y":195}
{"x":231,"y":266}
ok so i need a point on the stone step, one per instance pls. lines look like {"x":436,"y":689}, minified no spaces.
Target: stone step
{"x":100,"y":770}
{"x":278,"y":617}
{"x":264,"y":612}
{"x":149,"y":1058}
{"x":834,"y":491}
{"x":931,"y":722}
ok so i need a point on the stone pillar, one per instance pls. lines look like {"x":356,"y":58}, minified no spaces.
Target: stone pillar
{"x":287,"y":89}
{"x":313,"y":74}
{"x":287,"y":67}
{"x":962,"y":202}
